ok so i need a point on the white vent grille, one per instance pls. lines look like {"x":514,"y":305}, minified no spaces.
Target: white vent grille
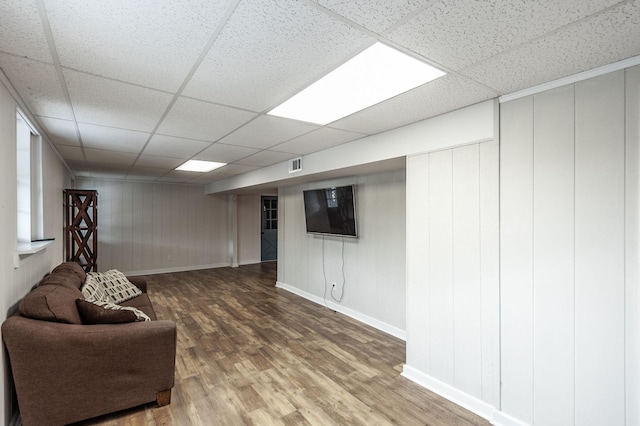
{"x":295,"y":165}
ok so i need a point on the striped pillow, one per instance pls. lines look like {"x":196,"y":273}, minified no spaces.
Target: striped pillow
{"x":115,"y":285}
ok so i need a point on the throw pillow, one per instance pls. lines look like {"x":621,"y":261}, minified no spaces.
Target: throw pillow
{"x":140,"y":316}
{"x":93,"y":290}
{"x":52,"y":303}
{"x":94,"y":314}
{"x":116,"y":285}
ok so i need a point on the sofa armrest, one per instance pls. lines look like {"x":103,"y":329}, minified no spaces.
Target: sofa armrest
{"x":139,"y":281}
{"x":64,"y":373}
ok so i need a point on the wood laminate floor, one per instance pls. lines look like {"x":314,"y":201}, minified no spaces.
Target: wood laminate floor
{"x":251,"y":354}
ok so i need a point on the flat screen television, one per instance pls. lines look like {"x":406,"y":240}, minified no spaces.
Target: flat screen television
{"x":331,"y":211}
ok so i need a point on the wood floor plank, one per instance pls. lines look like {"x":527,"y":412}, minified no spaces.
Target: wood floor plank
{"x":249,"y":353}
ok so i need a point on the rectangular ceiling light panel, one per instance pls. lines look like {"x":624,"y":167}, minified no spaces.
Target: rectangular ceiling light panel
{"x":377,"y":74}
{"x":200,"y":166}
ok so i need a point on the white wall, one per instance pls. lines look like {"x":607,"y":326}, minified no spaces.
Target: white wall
{"x":374,"y":263}
{"x":150,"y":227}
{"x":17,"y":282}
{"x":452,"y":274}
{"x":569,"y":321}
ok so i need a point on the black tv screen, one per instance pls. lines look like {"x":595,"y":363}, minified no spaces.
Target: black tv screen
{"x":331,"y":211}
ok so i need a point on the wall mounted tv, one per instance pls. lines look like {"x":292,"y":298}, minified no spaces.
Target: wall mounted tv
{"x":331,"y":211}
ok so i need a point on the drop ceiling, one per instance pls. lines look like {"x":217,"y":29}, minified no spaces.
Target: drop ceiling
{"x":130,"y":89}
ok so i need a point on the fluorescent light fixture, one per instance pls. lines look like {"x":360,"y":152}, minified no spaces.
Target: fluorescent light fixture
{"x":377,"y":74}
{"x":200,"y":166}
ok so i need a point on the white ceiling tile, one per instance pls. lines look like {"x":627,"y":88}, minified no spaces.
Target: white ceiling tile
{"x":60,"y":132}
{"x":317,"y":140}
{"x":115,"y":158}
{"x":38,"y":85}
{"x":267,"y":131}
{"x":21,"y":32}
{"x":105,"y":102}
{"x":375,"y":16}
{"x":614,"y":35}
{"x":153,"y":172}
{"x":457,"y":34}
{"x":71,"y":153}
{"x":154,"y":161}
{"x":178,"y":176}
{"x":111,"y":138}
{"x":236,"y":169}
{"x":439,"y":96}
{"x":269,"y":50}
{"x":223,"y":153}
{"x":78,"y":167}
{"x":210,"y":177}
{"x":169,"y":146}
{"x":143,"y":42}
{"x":266,"y":158}
{"x":195,"y":119}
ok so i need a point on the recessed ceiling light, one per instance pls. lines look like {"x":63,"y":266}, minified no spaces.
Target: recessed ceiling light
{"x":377,"y":74}
{"x":200,"y":166}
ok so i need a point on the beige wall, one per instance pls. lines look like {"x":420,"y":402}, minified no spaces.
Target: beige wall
{"x":16,"y":282}
{"x":374,"y":263}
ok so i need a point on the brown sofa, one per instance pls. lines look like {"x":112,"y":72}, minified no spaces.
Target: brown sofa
{"x":66,"y":370}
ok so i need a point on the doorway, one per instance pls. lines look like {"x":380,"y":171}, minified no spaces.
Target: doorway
{"x":269,"y":228}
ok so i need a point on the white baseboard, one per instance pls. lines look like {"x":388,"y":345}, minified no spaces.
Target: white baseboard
{"x":177,"y":269}
{"x":249,"y":262}
{"x":503,"y":419}
{"x":463,"y":399}
{"x":466,"y":401}
{"x":382,"y":326}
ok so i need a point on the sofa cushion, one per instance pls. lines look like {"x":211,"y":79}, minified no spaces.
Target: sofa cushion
{"x":94,"y":314}
{"x":116,"y":285}
{"x":65,"y":278}
{"x":142,"y":303}
{"x":52,"y":303}
{"x":140,"y":316}
{"x":73,"y":267}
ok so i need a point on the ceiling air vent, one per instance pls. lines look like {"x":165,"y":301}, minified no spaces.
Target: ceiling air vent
{"x":295,"y":165}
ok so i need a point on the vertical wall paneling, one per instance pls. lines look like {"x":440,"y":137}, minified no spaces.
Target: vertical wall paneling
{"x":632,"y":249}
{"x":489,"y":206}
{"x":418,"y":262}
{"x":453,"y":299}
{"x":553,"y":257}
{"x":440,"y":305}
{"x":467,"y":309}
{"x":516,"y":258}
{"x":127,"y":203}
{"x":599,"y":301}
{"x":149,"y":227}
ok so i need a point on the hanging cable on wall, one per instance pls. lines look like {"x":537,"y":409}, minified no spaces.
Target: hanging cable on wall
{"x":339,"y":299}
{"x":326,"y":284}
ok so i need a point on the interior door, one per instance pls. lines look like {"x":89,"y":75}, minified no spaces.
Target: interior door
{"x":269,"y":237}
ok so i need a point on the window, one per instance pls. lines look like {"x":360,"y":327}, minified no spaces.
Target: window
{"x":29,"y":181}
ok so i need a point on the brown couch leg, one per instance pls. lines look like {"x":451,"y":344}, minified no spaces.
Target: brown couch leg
{"x":163,"y":398}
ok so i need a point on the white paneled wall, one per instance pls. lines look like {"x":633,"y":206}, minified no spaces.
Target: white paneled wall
{"x":374,"y":263}
{"x":569,"y":353}
{"x":147,"y":227}
{"x":452,"y":273}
